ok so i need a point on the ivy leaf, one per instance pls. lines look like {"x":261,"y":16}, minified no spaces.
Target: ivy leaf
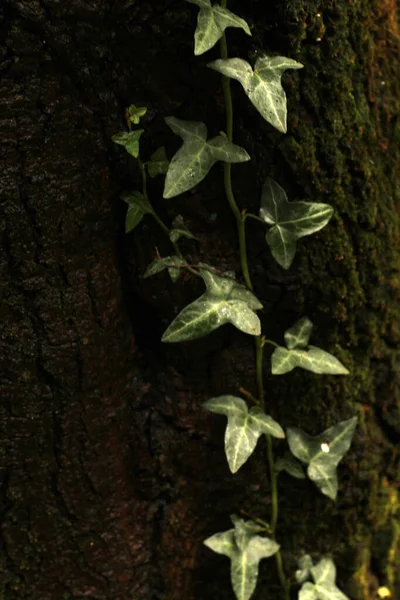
{"x":292,"y":466}
{"x":243,"y":429}
{"x":304,"y":571}
{"x":135,"y":113}
{"x":313,"y":359}
{"x":169,"y":262}
{"x":323,"y":453}
{"x":211,"y":24}
{"x":130,"y":141}
{"x":158,"y":164}
{"x":138,"y":206}
{"x":179,"y":230}
{"x":213,"y":309}
{"x":300,"y":355}
{"x":244,"y":531}
{"x":195,"y":158}
{"x":299,"y":335}
{"x":208,"y":313}
{"x":263,"y":85}
{"x":324,"y":575}
{"x":225,"y":285}
{"x":290,"y":221}
{"x":245,"y":561}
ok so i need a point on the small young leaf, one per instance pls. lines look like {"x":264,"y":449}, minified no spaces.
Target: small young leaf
{"x":135,"y":113}
{"x":324,"y":575}
{"x":169,"y":262}
{"x":211,"y":24}
{"x":290,"y":221}
{"x":292,"y":466}
{"x":195,"y":158}
{"x":304,"y":571}
{"x":323,"y":452}
{"x":243,"y":429}
{"x":245,"y":561}
{"x":263,"y":85}
{"x":138,"y":206}
{"x":130,"y":141}
{"x":158,"y":164}
{"x":179,"y":230}
{"x":299,"y":354}
{"x":299,"y":335}
{"x":244,"y":531}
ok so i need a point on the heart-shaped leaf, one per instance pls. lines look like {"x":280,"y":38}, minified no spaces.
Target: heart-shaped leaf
{"x":243,"y":429}
{"x":292,"y":466}
{"x":138,"y":206}
{"x":172,"y":263}
{"x":195,"y":158}
{"x":263,"y":85}
{"x":179,"y":230}
{"x":323,"y":452}
{"x":290,"y":221}
{"x":300,"y":355}
{"x":158,"y":163}
{"x":211,"y":24}
{"x":304,"y":571}
{"x":136,"y":113}
{"x":245,"y":556}
{"x":324,"y":575}
{"x":130,"y":141}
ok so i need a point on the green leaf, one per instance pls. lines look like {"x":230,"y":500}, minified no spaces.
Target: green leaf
{"x":313,"y":359}
{"x":206,"y":314}
{"x":211,"y":24}
{"x":130,"y":141}
{"x":226,"y":286}
{"x":195,"y":158}
{"x":323,"y":452}
{"x":179,"y":230}
{"x":299,"y":335}
{"x":213,"y":309}
{"x":135,"y":113}
{"x":243,"y":429}
{"x":244,"y":561}
{"x":304,"y":571}
{"x":169,"y":262}
{"x":300,"y":355}
{"x":138,"y":206}
{"x":324,"y":575}
{"x":263,"y":85}
{"x":292,"y":466}
{"x":290,"y":221}
{"x":158,"y":164}
{"x":244,"y":531}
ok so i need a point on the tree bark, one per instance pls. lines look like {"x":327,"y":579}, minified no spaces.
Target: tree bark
{"x":111,"y":472}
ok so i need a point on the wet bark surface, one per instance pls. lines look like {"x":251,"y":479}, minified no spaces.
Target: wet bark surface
{"x":111,"y":473}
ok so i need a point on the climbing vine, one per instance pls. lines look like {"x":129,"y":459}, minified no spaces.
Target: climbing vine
{"x":230,"y":300}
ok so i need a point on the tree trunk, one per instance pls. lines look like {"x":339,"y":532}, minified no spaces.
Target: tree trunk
{"x":111,"y":472}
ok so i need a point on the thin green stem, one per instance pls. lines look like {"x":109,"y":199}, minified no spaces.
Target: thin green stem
{"x":251,"y":216}
{"x":260,"y":341}
{"x":271,"y":343}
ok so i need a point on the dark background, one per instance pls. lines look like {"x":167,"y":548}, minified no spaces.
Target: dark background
{"x":111,"y":472}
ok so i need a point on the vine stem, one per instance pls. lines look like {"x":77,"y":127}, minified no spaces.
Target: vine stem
{"x":260,"y":341}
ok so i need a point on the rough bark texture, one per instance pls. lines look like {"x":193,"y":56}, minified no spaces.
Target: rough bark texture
{"x":111,"y":474}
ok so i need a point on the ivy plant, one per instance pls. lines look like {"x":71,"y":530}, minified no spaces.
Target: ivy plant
{"x":232,"y":301}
